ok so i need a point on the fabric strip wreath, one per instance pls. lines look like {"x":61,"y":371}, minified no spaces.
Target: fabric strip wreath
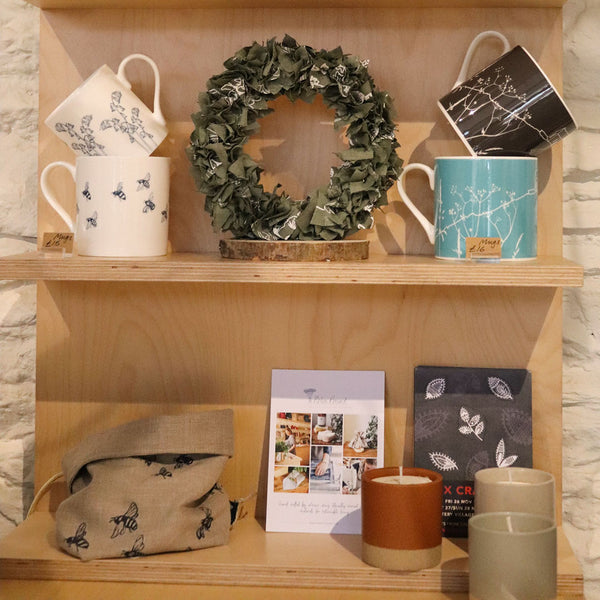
{"x":228,"y":116}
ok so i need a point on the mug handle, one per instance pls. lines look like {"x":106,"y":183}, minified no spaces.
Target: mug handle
{"x":121,"y":76}
{"x":426,"y":224}
{"x":462,"y":75}
{"x":49,"y":195}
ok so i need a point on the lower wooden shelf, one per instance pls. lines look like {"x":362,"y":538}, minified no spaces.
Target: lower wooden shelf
{"x":254,"y":559}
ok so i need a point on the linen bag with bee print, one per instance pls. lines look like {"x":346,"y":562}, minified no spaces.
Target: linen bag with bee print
{"x":148,"y":486}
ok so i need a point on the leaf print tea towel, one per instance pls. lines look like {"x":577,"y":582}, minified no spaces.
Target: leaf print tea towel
{"x":466,"y":419}
{"x":148,"y":486}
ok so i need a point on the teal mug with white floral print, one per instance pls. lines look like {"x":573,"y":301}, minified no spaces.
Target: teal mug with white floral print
{"x":486,"y":201}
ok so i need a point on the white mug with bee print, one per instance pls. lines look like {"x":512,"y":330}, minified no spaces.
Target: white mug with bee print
{"x":122,"y":204}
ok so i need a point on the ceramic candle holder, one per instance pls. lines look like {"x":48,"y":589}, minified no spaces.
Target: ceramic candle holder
{"x":515,"y":489}
{"x":512,"y":556}
{"x":401,"y":518}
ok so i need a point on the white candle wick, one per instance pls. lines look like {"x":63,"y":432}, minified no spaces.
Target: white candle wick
{"x":509,"y":525}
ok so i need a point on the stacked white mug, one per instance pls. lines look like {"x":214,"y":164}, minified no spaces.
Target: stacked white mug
{"x":122,"y":193}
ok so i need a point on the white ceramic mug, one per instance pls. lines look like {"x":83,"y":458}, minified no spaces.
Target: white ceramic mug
{"x":480,"y":197}
{"x":104,"y":117}
{"x":508,"y":108}
{"x":122,"y":204}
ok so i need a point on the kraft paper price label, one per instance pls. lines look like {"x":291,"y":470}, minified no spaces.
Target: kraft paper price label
{"x":59,"y":242}
{"x":483,"y":247}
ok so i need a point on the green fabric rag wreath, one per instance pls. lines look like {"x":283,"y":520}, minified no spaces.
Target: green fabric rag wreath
{"x":229,"y":110}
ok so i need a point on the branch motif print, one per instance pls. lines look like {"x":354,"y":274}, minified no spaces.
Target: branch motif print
{"x":131,"y":125}
{"x":84,"y":141}
{"x":473,"y":424}
{"x":472,"y":206}
{"x":499,"y":93}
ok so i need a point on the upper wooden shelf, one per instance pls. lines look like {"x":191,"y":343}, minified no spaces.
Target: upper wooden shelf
{"x":379,"y":269}
{"x":78,"y":4}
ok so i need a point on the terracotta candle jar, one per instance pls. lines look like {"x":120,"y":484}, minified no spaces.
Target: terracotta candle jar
{"x":515,"y":489}
{"x":401,"y":518}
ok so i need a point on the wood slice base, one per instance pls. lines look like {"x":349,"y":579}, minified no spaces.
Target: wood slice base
{"x":295,"y":251}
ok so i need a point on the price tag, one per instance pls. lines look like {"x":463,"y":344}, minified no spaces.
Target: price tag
{"x":58,"y":242}
{"x":483,"y":247}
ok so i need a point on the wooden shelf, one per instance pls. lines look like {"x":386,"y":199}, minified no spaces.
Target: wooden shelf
{"x":378,"y":270}
{"x":253,"y":558}
{"x":170,"y":4}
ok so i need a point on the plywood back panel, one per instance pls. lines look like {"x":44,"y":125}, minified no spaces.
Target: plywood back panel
{"x":415,"y":54}
{"x":112,"y":352}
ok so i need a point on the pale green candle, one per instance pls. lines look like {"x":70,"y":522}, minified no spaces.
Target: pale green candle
{"x":512,"y":556}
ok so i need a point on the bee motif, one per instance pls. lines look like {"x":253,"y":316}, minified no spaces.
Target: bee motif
{"x":119,"y":193}
{"x":86,"y":191}
{"x":163,"y":216}
{"x":149,"y":204}
{"x":206,"y":523}
{"x":79,"y":538}
{"x":164,"y":473}
{"x":183,"y":459}
{"x":143,"y":183}
{"x":92,"y":221}
{"x":125,"y":521}
{"x":136,"y":549}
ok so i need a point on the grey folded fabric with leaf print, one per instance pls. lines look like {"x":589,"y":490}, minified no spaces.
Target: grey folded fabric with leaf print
{"x":148,"y":486}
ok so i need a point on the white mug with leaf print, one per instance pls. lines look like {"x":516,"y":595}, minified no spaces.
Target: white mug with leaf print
{"x":122,"y":204}
{"x":104,"y":117}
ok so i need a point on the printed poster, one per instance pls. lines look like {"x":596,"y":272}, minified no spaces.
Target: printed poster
{"x":326,"y":430}
{"x":467,"y":419}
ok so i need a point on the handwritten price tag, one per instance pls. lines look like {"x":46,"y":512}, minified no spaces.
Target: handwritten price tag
{"x":483,"y":247}
{"x":53,"y":242}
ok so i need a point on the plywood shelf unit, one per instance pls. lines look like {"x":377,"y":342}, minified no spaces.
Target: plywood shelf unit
{"x":124,"y":339}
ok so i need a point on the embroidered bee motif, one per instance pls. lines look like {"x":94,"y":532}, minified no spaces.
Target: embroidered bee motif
{"x":164,"y":473}
{"x":183,"y":459}
{"x":78,"y":540}
{"x":119,"y":193}
{"x":125,"y":521}
{"x":92,"y":221}
{"x":205,"y":524}
{"x":136,"y":549}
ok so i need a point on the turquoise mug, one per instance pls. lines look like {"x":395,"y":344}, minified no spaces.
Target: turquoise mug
{"x":480,"y":200}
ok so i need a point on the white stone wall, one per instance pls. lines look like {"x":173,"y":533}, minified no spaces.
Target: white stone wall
{"x":19,"y":33}
{"x":581,"y":382}
{"x":18,"y":183}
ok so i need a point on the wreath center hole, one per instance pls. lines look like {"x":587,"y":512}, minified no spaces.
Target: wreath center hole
{"x":296,"y":146}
